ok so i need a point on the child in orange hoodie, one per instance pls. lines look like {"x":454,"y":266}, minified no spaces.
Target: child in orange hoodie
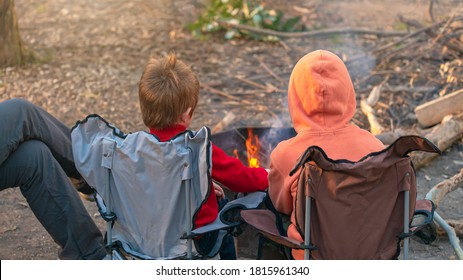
{"x":321,"y":101}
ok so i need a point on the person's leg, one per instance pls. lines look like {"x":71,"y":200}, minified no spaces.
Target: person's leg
{"x":53,"y":200}
{"x":22,"y":121}
{"x":227,"y":250}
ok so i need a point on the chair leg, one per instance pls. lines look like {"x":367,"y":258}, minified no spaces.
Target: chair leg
{"x":260,"y":247}
{"x":406,"y":222}
{"x":307,"y":227}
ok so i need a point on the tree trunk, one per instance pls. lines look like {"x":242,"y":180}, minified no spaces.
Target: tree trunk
{"x":11,"y":49}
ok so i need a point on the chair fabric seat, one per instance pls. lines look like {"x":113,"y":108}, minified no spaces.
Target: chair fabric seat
{"x":142,"y":179}
{"x":356,"y":208}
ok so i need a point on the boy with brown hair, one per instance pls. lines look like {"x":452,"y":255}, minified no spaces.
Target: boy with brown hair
{"x":168,"y":94}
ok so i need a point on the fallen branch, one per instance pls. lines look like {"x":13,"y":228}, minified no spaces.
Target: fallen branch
{"x":224,"y":94}
{"x":431,"y":16}
{"x":446,"y":24}
{"x":314,"y":33}
{"x":367,"y":108}
{"x":451,"y":44}
{"x":443,"y":136}
{"x":434,"y":111}
{"x":410,"y":35}
{"x":439,"y":191}
{"x":254,"y":84}
{"x":226,"y":121}
{"x":271,"y":72}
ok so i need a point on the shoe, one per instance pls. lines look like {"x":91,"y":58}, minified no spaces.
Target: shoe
{"x":82,"y":186}
{"x":88,"y":197}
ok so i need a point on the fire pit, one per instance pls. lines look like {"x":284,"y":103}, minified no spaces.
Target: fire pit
{"x":252,"y":145}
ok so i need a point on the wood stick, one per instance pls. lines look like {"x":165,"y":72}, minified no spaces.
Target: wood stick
{"x":314,"y":33}
{"x":367,"y":108}
{"x":410,"y":35}
{"x":431,"y":16}
{"x":432,"y":112}
{"x":443,"y":136}
{"x":225,"y":122}
{"x":252,"y":83}
{"x":439,"y":191}
{"x":224,"y":94}
{"x":446,"y":25}
{"x":271,"y":72}
{"x":451,"y":44}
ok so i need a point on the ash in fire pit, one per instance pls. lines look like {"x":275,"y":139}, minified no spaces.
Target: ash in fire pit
{"x":252,"y":145}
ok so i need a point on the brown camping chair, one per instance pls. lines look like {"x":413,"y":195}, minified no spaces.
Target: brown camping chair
{"x":353,"y":210}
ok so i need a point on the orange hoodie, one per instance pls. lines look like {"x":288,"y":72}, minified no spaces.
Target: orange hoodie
{"x":321,"y":101}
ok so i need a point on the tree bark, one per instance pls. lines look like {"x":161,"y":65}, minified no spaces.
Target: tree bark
{"x":11,"y":49}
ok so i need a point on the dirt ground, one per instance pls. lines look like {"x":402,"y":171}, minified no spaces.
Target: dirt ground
{"x":92,"y":54}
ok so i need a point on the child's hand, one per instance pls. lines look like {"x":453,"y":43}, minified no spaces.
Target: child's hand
{"x":218,"y":190}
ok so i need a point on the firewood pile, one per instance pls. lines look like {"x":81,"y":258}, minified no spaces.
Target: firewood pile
{"x":416,"y":86}
{"x":418,"y":89}
{"x":417,"y":80}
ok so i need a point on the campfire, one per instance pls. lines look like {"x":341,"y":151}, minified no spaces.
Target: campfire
{"x":252,"y":150}
{"x":252,"y":145}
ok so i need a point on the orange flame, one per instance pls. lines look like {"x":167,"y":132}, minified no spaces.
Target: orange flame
{"x":252,"y":148}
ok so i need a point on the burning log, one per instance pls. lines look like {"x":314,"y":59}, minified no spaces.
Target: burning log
{"x":432,"y":112}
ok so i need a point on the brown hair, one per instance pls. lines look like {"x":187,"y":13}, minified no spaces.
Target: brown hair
{"x":167,"y":88}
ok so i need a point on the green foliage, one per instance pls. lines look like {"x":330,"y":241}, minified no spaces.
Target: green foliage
{"x":246,"y":12}
{"x":400,"y":26}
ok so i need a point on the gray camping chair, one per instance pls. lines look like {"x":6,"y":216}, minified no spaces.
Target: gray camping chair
{"x":354,"y":210}
{"x":149,"y":191}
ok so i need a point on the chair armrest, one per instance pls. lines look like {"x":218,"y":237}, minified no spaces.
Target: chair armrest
{"x":263,"y":220}
{"x":229,"y":216}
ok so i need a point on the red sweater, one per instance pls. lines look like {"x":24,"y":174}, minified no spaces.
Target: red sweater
{"x":226,"y":170}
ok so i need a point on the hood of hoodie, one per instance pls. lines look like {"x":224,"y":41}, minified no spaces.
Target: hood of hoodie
{"x":321,"y":95}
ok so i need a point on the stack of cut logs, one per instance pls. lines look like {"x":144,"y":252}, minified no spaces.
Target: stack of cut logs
{"x":429,"y":62}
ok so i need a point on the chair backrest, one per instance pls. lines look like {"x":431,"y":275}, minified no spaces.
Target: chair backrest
{"x":357,"y":208}
{"x":143,"y":182}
